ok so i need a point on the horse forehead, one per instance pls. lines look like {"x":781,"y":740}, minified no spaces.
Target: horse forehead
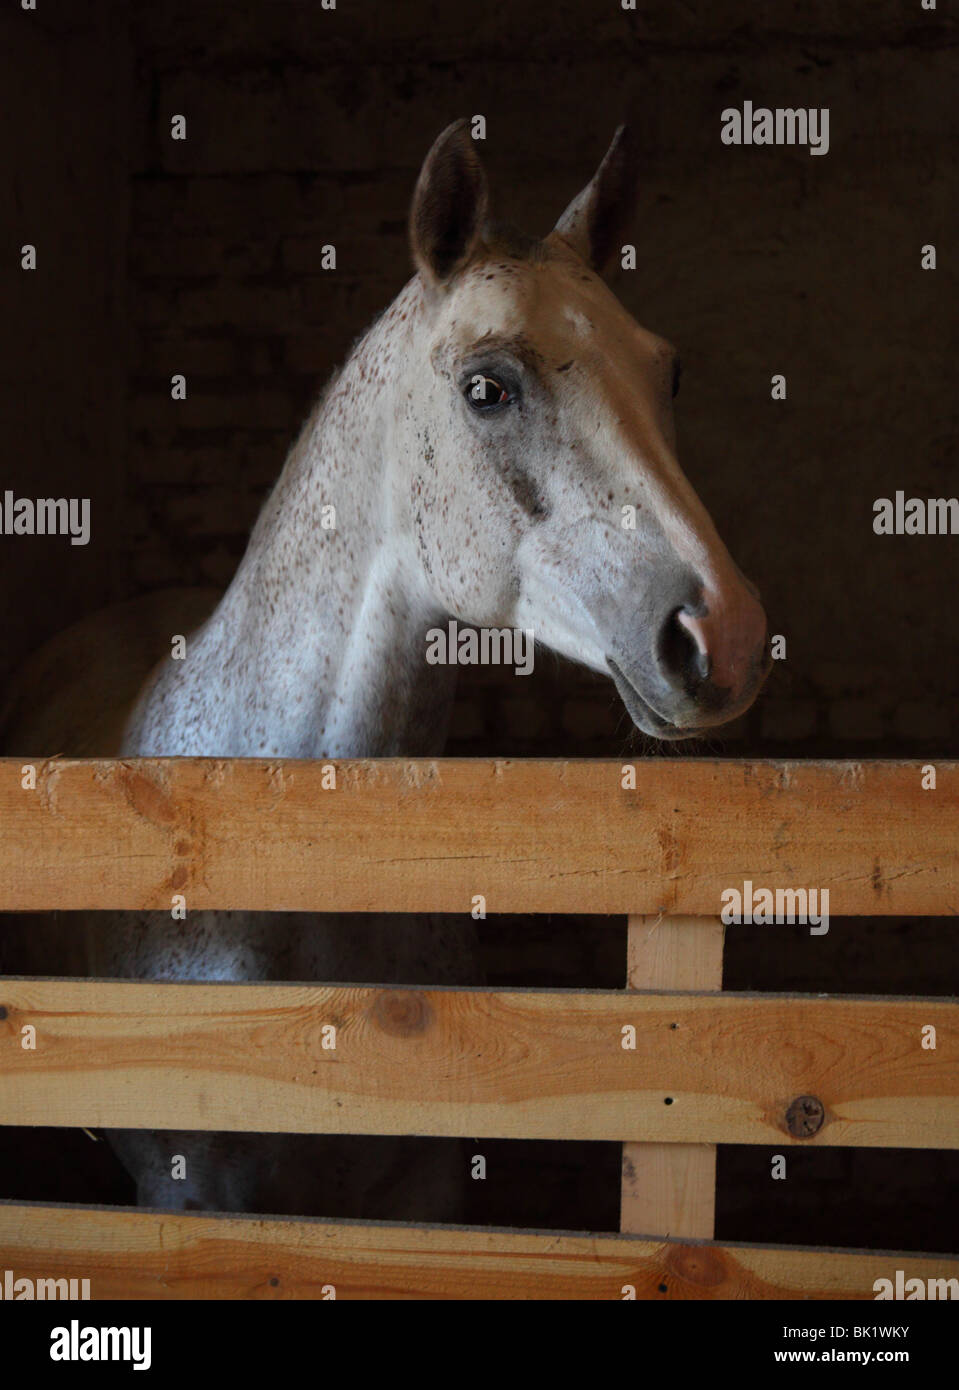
{"x":494,"y":300}
{"x":552,"y":308}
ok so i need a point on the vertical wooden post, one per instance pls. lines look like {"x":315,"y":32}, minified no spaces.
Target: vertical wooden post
{"x":670,"y":1189}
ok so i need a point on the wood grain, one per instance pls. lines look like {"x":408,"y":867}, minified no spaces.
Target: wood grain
{"x":136,"y":1255}
{"x":422,"y":836}
{"x":520,"y":1064}
{"x":670,"y":1189}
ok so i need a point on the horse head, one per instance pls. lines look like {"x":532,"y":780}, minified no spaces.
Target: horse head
{"x":544,"y":489}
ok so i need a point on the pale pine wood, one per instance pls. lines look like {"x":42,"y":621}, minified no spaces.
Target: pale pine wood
{"x":675,"y":953}
{"x":142,"y":1254}
{"x":513,"y":1064}
{"x":424,"y":836}
{"x":670,"y":1189}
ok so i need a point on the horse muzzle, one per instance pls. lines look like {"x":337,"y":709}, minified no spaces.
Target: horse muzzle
{"x":701,"y":667}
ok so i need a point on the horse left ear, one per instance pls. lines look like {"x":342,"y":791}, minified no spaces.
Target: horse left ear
{"x":449,"y":204}
{"x":597,"y":220}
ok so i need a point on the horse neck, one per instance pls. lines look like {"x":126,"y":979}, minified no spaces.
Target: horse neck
{"x":318,"y":647}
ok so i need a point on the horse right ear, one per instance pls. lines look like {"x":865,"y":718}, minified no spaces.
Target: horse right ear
{"x":596,"y":220}
{"x":449,"y":204}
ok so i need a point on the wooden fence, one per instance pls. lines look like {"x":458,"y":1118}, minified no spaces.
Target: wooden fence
{"x":701,"y":1067}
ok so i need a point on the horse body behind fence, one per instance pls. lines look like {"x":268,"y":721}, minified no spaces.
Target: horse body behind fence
{"x":499,"y":447}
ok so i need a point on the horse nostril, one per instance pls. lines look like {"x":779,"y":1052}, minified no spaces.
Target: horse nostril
{"x":682,"y":650}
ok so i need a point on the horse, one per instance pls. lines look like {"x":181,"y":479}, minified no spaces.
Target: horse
{"x":499,"y":448}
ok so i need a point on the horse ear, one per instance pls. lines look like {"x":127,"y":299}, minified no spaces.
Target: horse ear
{"x":449,"y":204}
{"x":598,"y":219}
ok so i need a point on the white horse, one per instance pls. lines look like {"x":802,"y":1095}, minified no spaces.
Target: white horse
{"x":498,"y":448}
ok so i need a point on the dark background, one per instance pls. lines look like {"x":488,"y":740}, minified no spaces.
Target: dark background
{"x":307,"y":126}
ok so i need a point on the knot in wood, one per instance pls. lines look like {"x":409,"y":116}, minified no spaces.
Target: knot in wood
{"x":697,"y":1264}
{"x":402,"y":1013}
{"x":805,"y":1117}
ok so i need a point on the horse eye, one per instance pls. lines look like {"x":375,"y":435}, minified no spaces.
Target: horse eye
{"x":677,"y":373}
{"x":485,"y":392}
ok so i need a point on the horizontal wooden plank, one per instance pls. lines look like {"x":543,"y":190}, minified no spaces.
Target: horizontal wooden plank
{"x":135,"y":1255}
{"x":530,"y":836}
{"x":707,"y":1068}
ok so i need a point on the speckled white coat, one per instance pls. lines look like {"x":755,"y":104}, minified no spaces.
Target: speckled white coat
{"x":506,"y":517}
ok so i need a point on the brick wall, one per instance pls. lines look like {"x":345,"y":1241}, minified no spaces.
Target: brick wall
{"x":308,"y":126}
